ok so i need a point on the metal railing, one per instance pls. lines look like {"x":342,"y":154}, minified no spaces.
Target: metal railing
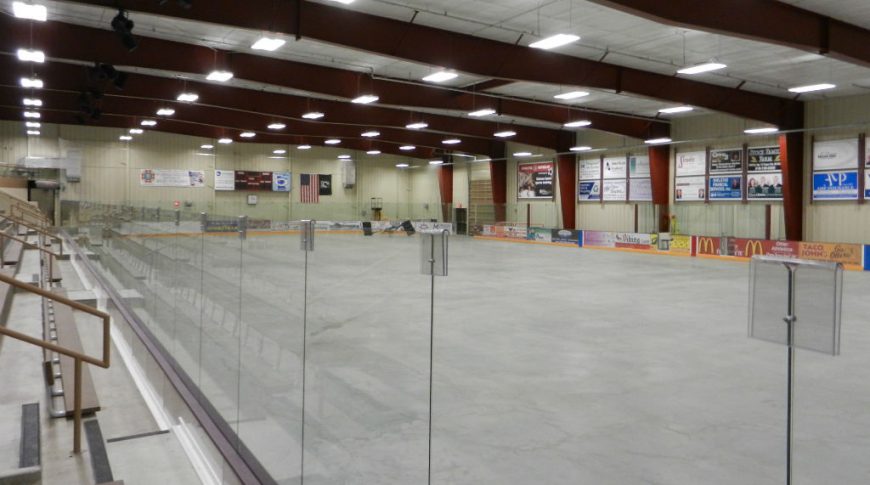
{"x":39,"y":230}
{"x":27,"y":244}
{"x":28,"y":211}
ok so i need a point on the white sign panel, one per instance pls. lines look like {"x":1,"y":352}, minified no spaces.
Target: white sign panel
{"x":691,"y":163}
{"x":158,"y":177}
{"x":614,"y":190}
{"x":224,"y":180}
{"x":590,"y":169}
{"x":835,"y":154}
{"x":638,"y":166}
{"x":615,"y":168}
{"x":690,"y":189}
{"x":640,"y":190}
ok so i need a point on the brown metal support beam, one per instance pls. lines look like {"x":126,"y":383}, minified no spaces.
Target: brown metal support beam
{"x":791,"y":154}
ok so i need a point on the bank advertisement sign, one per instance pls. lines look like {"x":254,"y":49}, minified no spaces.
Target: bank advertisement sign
{"x":841,"y":185}
{"x":589,"y":190}
{"x":835,"y":154}
{"x":535,"y":180}
{"x":726,"y":188}
{"x":691,"y":163}
{"x":689,"y":189}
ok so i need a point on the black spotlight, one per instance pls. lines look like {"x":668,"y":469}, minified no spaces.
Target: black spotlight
{"x":120,"y":80}
{"x":123,"y":26}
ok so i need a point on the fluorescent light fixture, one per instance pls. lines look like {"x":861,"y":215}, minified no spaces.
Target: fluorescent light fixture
{"x":206,"y":147}
{"x":304,"y":147}
{"x":580,"y":148}
{"x":277,"y":158}
{"x":419,"y":125}
{"x":571,"y":95}
{"x":247,"y":134}
{"x":657,"y":141}
{"x":277,"y":126}
{"x":33,"y":132}
{"x":402,"y":165}
{"x":523,"y":154}
{"x":279,"y":152}
{"x":28,"y":55}
{"x":28,"y":11}
{"x":165,"y":112}
{"x":365,"y":99}
{"x":148,"y":123}
{"x":758,"y":131}
{"x":812,"y":87}
{"x":225,"y":141}
{"x":373,"y":152}
{"x":577,"y":124}
{"x":268,"y":44}
{"x":332,"y":141}
{"x":436,"y":162}
{"x":34,"y":83}
{"x":452,"y":141}
{"x":554,"y":41}
{"x":187,"y":97}
{"x":706,"y":67}
{"x":371,"y":134}
{"x":125,"y":137}
{"x":482,"y":112}
{"x":676,"y":109}
{"x":407,"y":148}
{"x":345,"y":2}
{"x":32,"y":114}
{"x":505,"y":134}
{"x":136,"y":131}
{"x":344,"y":157}
{"x":440,"y":76}
{"x":32,"y":102}
{"x":33,"y":124}
{"x":313,"y":115}
{"x":220,"y":76}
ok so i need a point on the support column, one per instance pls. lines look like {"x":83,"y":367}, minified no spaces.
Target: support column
{"x":791,"y":153}
{"x":445,"y":186}
{"x":498,"y":176}
{"x":660,"y":174}
{"x":566,"y":173}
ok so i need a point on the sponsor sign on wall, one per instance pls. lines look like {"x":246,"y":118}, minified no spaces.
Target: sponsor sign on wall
{"x":159,"y":177}
{"x":535,"y":180}
{"x":691,"y":163}
{"x":224,"y":180}
{"x":690,"y":188}
{"x":726,"y":188}
{"x":726,"y":161}
{"x":540,"y":234}
{"x":681,"y":245}
{"x":835,"y":154}
{"x":867,"y":185}
{"x":590,"y":169}
{"x":848,"y":254}
{"x":640,"y":190}
{"x":638,"y":166}
{"x":599,"y":239}
{"x":564,"y":236}
{"x":764,"y":159}
{"x":589,"y":190}
{"x":764,"y":186}
{"x":841,"y":185}
{"x":614,"y":190}
{"x":615,"y":168}
{"x":281,"y":181}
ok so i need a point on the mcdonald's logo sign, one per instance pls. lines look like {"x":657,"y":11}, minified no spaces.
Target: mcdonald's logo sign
{"x":753,"y":247}
{"x":708,"y":245}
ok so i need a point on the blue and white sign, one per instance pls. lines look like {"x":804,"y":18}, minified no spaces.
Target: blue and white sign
{"x":867,"y":186}
{"x":281,"y":181}
{"x":842,"y":185}
{"x":589,"y":191}
{"x":726,"y":188}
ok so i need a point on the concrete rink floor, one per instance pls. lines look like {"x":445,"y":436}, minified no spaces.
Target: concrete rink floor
{"x":552,"y":365}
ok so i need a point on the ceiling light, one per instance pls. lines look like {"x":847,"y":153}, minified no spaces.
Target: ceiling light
{"x":187,"y":97}
{"x":278,"y":158}
{"x":332,"y":141}
{"x":580,"y":149}
{"x":571,"y":95}
{"x":268,"y":44}
{"x":402,"y":165}
{"x":206,"y":147}
{"x":247,"y":134}
{"x":554,"y":41}
{"x":136,"y":131}
{"x":419,"y":125}
{"x":220,"y":76}
{"x":344,"y":157}
{"x":33,"y":132}
{"x":706,"y":67}
{"x":27,"y":82}
{"x":436,"y":162}
{"x":365,"y":99}
{"x":373,"y":152}
{"x":451,"y":141}
{"x":577,"y":124}
{"x":304,"y":147}
{"x":165,"y":112}
{"x":279,"y":152}
{"x":812,"y":87}
{"x":758,"y":131}
{"x":505,"y":134}
{"x":345,"y":2}
{"x":225,"y":141}
{"x":148,"y":123}
{"x":676,"y":109}
{"x":277,"y":126}
{"x":482,"y":112}
{"x":32,"y":124}
{"x":523,"y":154}
{"x":313,"y":115}
{"x":370,"y":134}
{"x":657,"y":141}
{"x":32,"y":102}
{"x":440,"y":76}
{"x":32,"y":114}
{"x":407,"y":148}
{"x":27,"y":55}
{"x":27,"y":11}
{"x":125,"y":137}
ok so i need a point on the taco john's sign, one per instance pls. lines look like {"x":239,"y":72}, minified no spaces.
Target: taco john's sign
{"x":848,"y":254}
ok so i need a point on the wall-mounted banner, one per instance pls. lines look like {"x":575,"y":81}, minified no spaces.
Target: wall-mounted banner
{"x":615,"y":168}
{"x":159,"y":177}
{"x":691,"y":163}
{"x":614,"y":190}
{"x":590,"y":169}
{"x":688,"y":189}
{"x":253,"y":180}
{"x":535,"y":180}
{"x":726,"y":161}
{"x":842,"y":185}
{"x":638,"y":166}
{"x":764,"y":159}
{"x":726,"y":188}
{"x":764,"y":186}
{"x":867,"y":184}
{"x":640,"y":190}
{"x":326,"y":184}
{"x":835,"y":154}
{"x":589,"y":191}
{"x":224,"y":180}
{"x":281,"y":181}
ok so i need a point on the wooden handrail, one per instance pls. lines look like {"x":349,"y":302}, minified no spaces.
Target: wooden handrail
{"x":52,"y":254}
{"x":29,"y":211}
{"x":78,"y":357}
{"x":35,"y":229}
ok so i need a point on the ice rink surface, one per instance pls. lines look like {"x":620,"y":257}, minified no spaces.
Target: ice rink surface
{"x":553,"y":365}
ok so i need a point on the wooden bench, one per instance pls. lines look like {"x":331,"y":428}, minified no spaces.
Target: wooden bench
{"x":12,"y":251}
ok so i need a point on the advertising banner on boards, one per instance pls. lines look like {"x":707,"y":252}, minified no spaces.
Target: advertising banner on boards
{"x":614,"y":190}
{"x":764,"y":159}
{"x":224,"y":180}
{"x":764,"y":186}
{"x":589,"y":190}
{"x":615,"y":168}
{"x":640,"y":190}
{"x":726,"y":188}
{"x":566,"y":236}
{"x":540,"y":234}
{"x":848,"y":254}
{"x":691,"y":163}
{"x":638,"y":166}
{"x":835,"y":154}
{"x":726,"y":161}
{"x":159,"y":177}
{"x":841,"y":185}
{"x":690,"y":189}
{"x":535,"y":180}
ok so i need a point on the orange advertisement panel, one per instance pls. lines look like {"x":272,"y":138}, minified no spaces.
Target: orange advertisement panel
{"x":682,"y":245}
{"x":708,"y":246}
{"x":747,"y":248}
{"x":847,"y":254}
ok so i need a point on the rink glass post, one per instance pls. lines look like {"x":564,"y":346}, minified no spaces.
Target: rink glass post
{"x":433,"y":262}
{"x":306,"y":243}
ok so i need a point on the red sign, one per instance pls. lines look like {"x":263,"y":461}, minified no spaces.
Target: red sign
{"x":253,"y":180}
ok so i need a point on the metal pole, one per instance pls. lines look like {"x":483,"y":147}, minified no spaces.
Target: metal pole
{"x":431,"y":346}
{"x":790,"y":321}
{"x":77,"y":410}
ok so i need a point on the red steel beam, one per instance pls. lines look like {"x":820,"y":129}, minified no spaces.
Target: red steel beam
{"x":791,"y":150}
{"x":760,"y":20}
{"x":660,"y":178}
{"x":566,"y":173}
{"x":484,"y":57}
{"x":68,"y":41}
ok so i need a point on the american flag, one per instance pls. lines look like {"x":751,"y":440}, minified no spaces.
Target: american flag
{"x":310,"y":193}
